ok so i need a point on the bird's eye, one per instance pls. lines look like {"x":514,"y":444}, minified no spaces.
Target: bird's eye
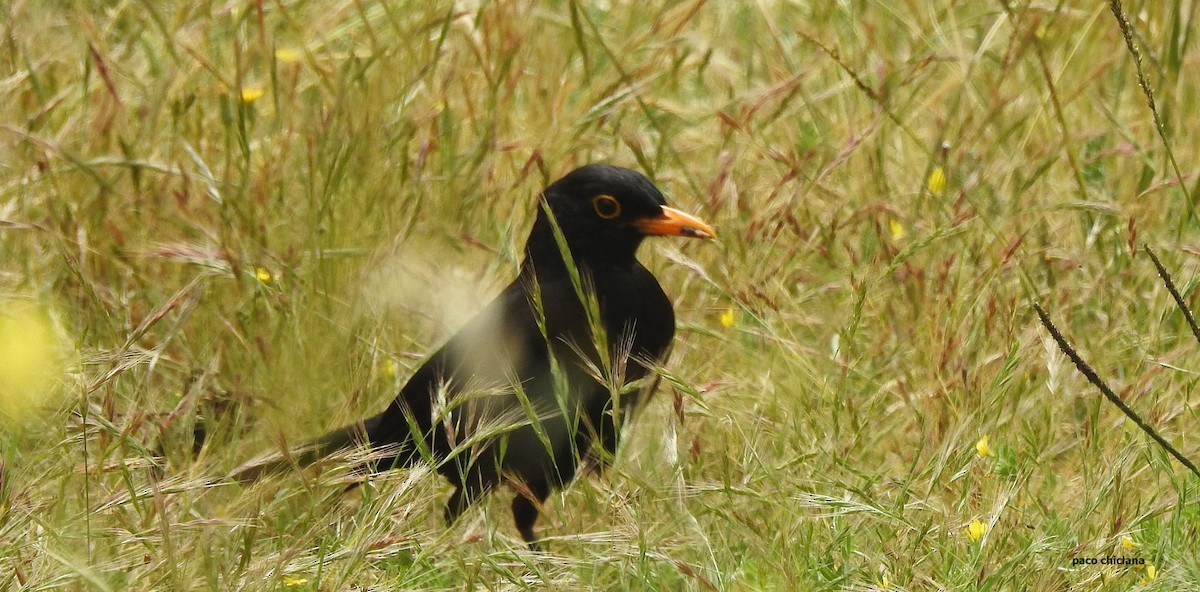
{"x":606,"y":206}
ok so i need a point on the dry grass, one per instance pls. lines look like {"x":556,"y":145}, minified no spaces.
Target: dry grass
{"x":253,"y":219}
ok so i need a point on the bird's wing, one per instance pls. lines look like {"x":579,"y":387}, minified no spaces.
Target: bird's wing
{"x":495,"y":369}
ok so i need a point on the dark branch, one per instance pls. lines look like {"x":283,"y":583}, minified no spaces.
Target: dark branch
{"x":1166,"y":278}
{"x":1094,"y":378}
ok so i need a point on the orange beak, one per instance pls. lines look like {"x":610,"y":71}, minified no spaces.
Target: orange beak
{"x":675,"y":223}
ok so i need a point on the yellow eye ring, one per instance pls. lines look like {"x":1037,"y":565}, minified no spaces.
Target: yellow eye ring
{"x":606,"y":206}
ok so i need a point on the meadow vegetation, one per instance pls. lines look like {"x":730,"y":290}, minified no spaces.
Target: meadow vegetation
{"x":251,"y":220}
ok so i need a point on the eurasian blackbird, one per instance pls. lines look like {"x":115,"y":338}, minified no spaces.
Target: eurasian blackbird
{"x":537,"y":385}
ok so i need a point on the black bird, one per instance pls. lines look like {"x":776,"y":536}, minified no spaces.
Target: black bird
{"x":537,"y":384}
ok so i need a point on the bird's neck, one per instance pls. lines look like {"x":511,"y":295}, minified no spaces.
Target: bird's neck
{"x":545,"y":258}
{"x":549,"y":264}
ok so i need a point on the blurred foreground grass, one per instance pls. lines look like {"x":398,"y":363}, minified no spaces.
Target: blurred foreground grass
{"x":254,"y":219}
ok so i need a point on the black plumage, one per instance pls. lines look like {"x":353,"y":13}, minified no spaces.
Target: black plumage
{"x":536,"y":385}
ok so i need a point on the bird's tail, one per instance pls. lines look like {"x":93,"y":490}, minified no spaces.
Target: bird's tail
{"x":375,"y":437}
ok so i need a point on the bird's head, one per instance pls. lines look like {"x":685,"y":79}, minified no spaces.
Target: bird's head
{"x":604,"y":212}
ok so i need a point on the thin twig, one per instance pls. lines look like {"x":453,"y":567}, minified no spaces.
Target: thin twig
{"x":1166,"y":278}
{"x":1094,"y":378}
{"x":1159,"y":126}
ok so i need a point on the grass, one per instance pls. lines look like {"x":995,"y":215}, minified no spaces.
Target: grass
{"x":252,"y":220}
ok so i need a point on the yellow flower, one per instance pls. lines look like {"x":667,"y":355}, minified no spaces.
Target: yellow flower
{"x":262,"y":275}
{"x":896,"y":228}
{"x":389,"y":368}
{"x":249,"y":95}
{"x":288,"y":55}
{"x":936,"y":181}
{"x":1151,"y":573}
{"x":33,"y":359}
{"x":982,"y":448}
{"x":293,"y":581}
{"x":1128,"y":543}
{"x":976,"y":530}
{"x":727,"y":317}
